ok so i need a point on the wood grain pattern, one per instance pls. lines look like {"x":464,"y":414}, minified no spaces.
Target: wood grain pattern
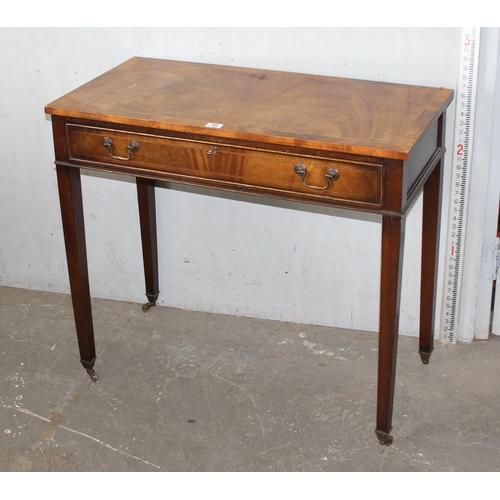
{"x":182,"y":160}
{"x":334,"y":114}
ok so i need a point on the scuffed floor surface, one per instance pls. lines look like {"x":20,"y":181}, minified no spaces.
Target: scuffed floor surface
{"x":188,"y":391}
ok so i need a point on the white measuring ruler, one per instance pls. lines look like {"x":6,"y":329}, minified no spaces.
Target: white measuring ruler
{"x":465,"y":98}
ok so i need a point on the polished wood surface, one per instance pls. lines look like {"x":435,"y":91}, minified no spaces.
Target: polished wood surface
{"x":70,"y":196}
{"x":350,"y":116}
{"x":390,"y":290}
{"x":230,"y":166}
{"x":147,"y":219}
{"x":363,"y":146}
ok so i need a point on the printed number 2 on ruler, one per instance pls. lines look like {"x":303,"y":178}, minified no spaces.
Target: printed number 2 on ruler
{"x":459,"y":194}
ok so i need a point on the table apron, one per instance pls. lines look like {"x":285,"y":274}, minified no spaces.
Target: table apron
{"x":305,"y":177}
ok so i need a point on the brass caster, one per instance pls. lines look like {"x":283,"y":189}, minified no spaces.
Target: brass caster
{"x":386,"y":442}
{"x":384,"y":438}
{"x":93,"y":374}
{"x":89,"y":366}
{"x":152,"y":298}
{"x":147,"y":306}
{"x":425,"y":357}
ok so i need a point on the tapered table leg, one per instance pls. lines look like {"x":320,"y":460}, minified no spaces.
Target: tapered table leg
{"x":147,"y":216}
{"x":70,"y":196}
{"x":390,"y":291}
{"x":430,"y":244}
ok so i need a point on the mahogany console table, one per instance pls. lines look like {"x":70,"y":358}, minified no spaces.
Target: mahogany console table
{"x":351,"y":144}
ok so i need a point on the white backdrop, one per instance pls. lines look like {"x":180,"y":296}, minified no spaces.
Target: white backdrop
{"x":223,"y":253}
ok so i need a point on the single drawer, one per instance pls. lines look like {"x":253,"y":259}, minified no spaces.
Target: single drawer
{"x":234,"y":167}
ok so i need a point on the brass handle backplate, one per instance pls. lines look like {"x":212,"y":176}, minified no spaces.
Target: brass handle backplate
{"x":332,"y":174}
{"x":132,"y":147}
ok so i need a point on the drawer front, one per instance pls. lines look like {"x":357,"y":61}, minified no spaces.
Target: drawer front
{"x":230,"y":166}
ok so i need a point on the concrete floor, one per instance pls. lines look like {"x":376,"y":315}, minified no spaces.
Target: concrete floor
{"x":188,"y":391}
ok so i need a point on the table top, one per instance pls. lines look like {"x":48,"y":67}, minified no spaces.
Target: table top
{"x":290,"y":109}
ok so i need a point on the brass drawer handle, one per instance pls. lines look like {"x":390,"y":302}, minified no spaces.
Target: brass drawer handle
{"x":133,"y":147}
{"x":332,"y":174}
{"x":212,"y":151}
